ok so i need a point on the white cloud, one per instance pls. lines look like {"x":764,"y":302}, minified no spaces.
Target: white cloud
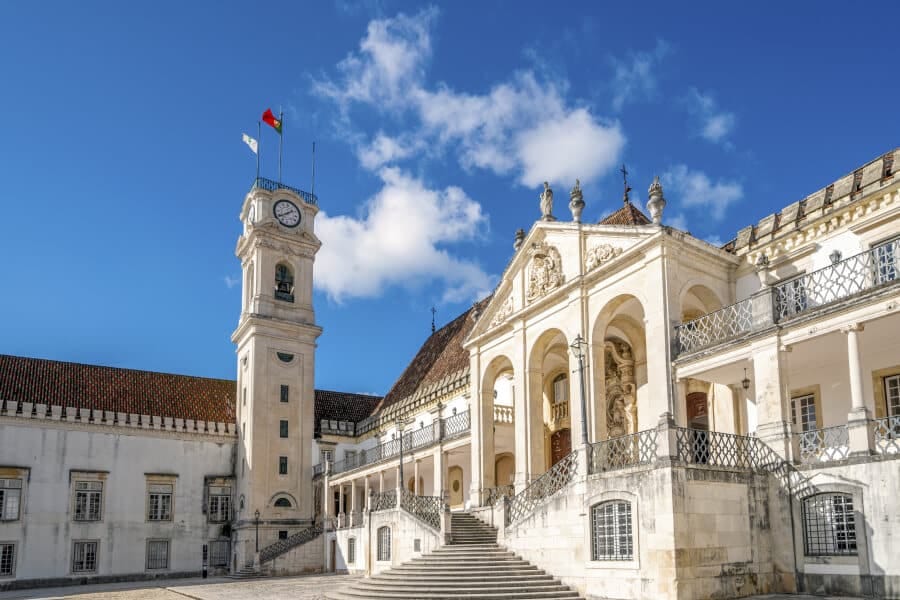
{"x":230,"y":281}
{"x":400,"y":240}
{"x":634,"y":77}
{"x":714,"y":124}
{"x":694,"y":189}
{"x":521,"y":126}
{"x":679,"y":221}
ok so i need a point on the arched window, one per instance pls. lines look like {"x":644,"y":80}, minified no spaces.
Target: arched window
{"x":351,"y":550}
{"x":611,"y":535}
{"x":284,"y":283}
{"x":829,"y":527}
{"x":384,"y":543}
{"x":560,"y":389}
{"x":282,"y":503}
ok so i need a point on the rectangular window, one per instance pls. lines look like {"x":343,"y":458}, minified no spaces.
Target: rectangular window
{"x":159,"y":502}
{"x":351,"y":551}
{"x":886,"y":261}
{"x":351,"y":458}
{"x":218,"y":553}
{"x":157,"y":554}
{"x":219,"y":504}
{"x":829,"y":526}
{"x":10,"y":499}
{"x":383,"y":550}
{"x":7,"y":559}
{"x":282,"y":535}
{"x":327,"y":456}
{"x":892,"y":395}
{"x":88,"y":500}
{"x":282,"y":465}
{"x":611,"y":534}
{"x":84,"y":557}
{"x":284,"y":393}
{"x":244,"y":395}
{"x":283,"y":428}
{"x":804,"y":409}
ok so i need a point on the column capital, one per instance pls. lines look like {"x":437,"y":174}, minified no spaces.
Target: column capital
{"x":853,"y":327}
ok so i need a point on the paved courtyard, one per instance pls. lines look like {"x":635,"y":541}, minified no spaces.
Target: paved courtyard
{"x":309,"y":587}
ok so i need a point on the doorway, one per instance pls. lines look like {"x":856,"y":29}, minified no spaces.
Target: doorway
{"x":560,"y":445}
{"x":455,"y":477}
{"x":698,"y":421}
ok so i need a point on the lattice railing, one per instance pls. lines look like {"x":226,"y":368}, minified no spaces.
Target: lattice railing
{"x":715,"y":327}
{"x":456,"y":425}
{"x":525,"y":502}
{"x":492,"y":495}
{"x":623,"y":451}
{"x":824,"y":445}
{"x":282,"y":546}
{"x":841,"y":280}
{"x":717,"y":449}
{"x":384,"y":500}
{"x":427,"y":509}
{"x":887,"y":435}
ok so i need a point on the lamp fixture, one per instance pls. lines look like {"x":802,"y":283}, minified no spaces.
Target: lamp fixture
{"x":745,"y":382}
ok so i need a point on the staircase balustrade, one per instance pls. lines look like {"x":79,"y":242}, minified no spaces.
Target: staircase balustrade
{"x":384,"y":500}
{"x":427,"y":509}
{"x":281,"y":546}
{"x":624,"y":451}
{"x":559,"y":476}
{"x":495,"y":494}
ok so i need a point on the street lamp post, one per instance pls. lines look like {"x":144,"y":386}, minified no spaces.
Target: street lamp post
{"x":257,"y":531}
{"x":578,"y":351}
{"x":400,"y":424}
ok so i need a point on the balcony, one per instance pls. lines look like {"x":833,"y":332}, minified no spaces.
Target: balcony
{"x":503,"y":414}
{"x":864,"y":273}
{"x":272,"y":186}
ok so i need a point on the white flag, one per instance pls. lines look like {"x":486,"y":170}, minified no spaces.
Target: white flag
{"x":252,"y":143}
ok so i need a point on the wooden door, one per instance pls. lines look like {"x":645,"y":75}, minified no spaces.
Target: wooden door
{"x":560,"y":445}
{"x":455,"y":477}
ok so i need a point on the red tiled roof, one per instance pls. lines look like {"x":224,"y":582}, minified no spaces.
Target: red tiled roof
{"x":627,"y":215}
{"x":343,"y":406}
{"x":441,"y":355}
{"x":57,"y":383}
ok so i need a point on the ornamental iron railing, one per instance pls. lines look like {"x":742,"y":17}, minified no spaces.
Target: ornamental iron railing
{"x":428,"y":435}
{"x":273,"y":186}
{"x":716,"y":449}
{"x":623,"y":451}
{"x":427,"y":509}
{"x":493,"y":495}
{"x":887,"y":435}
{"x":718,"y":326}
{"x":525,"y":502}
{"x":384,"y":500}
{"x":281,"y":546}
{"x":824,"y":445}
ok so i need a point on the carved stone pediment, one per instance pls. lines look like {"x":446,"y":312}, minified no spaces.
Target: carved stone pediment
{"x":503,"y":312}
{"x":598,"y":255}
{"x":544,"y":271}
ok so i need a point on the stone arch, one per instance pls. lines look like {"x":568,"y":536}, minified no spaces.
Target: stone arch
{"x":549,"y":425}
{"x":697,"y":300}
{"x":499,"y":368}
{"x":282,"y":496}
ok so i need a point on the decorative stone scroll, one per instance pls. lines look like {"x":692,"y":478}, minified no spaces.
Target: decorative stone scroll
{"x":621,"y":391}
{"x":503,"y":312}
{"x":545,"y":273}
{"x":600,"y":254}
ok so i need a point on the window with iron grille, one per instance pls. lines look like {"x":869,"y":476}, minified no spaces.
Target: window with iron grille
{"x":282,"y":428}
{"x":10,"y":499}
{"x":351,"y":551}
{"x":804,"y":408}
{"x":7,"y":559}
{"x":351,"y":458}
{"x":611,"y":535}
{"x":284,"y":283}
{"x":282,"y":465}
{"x":219,"y":503}
{"x":157,"y":554}
{"x":159,"y":502}
{"x":218,"y":553}
{"x":84,"y":557}
{"x":892,"y":395}
{"x":829,"y":527}
{"x":88,"y":500}
{"x":285,"y":393}
{"x":887,"y":257}
{"x":384,"y":543}
{"x":560,"y":389}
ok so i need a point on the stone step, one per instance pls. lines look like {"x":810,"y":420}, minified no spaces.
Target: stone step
{"x":436,"y":577}
{"x":351,"y":593}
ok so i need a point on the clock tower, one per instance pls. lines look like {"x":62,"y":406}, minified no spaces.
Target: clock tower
{"x":276,"y":343}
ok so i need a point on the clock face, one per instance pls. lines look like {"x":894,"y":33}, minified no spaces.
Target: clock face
{"x":287,"y":213}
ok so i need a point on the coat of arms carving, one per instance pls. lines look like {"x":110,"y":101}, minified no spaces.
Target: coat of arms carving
{"x":600,"y":254}
{"x":545,"y":273}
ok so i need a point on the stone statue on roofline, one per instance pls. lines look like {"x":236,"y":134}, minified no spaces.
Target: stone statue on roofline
{"x":576,"y":202}
{"x":547,"y":203}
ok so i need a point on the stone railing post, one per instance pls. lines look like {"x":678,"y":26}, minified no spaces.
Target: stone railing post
{"x":446,"y":532}
{"x":666,"y":438}
{"x":762,"y":308}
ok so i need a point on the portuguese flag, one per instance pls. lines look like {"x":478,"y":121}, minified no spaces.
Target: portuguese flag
{"x":270,"y":119}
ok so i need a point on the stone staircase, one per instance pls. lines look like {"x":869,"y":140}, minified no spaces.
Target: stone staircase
{"x":473,"y":566}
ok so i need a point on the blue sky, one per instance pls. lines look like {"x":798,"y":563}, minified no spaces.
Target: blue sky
{"x":123,"y":169}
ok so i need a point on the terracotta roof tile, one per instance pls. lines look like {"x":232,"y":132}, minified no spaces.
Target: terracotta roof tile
{"x":627,"y":215}
{"x":57,"y":383}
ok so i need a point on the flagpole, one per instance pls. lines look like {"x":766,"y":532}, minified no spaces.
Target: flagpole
{"x":280,"y":142}
{"x":258,"y":140}
{"x":313,"y":186}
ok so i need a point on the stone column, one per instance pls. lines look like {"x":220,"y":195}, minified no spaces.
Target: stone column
{"x":862,"y":439}
{"x":481,"y":417}
{"x":352,"y":496}
{"x":438,"y":478}
{"x":773,"y":399}
{"x":416,"y":477}
{"x":326,"y":494}
{"x":366,"y":494}
{"x":380,"y":482}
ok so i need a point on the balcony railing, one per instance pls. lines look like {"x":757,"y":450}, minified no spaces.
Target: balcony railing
{"x":824,"y":445}
{"x":503,"y":414}
{"x":715,"y":449}
{"x":523,"y":504}
{"x":559,"y":411}
{"x":864,"y":272}
{"x":624,"y":451}
{"x":887,"y":435}
{"x":445,"y":429}
{"x":492,"y":495}
{"x":272,"y":186}
{"x":384,"y":500}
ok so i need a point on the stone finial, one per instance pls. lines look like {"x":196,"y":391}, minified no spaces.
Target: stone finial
{"x":547,"y":203}
{"x":520,"y":237}
{"x":657,"y":202}
{"x":576,"y":202}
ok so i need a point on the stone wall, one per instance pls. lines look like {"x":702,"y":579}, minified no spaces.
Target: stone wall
{"x":305,"y":558}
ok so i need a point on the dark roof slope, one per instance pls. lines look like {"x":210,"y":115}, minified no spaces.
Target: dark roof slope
{"x":627,"y":215}
{"x":57,"y":383}
{"x":441,"y":355}
{"x":343,"y":406}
